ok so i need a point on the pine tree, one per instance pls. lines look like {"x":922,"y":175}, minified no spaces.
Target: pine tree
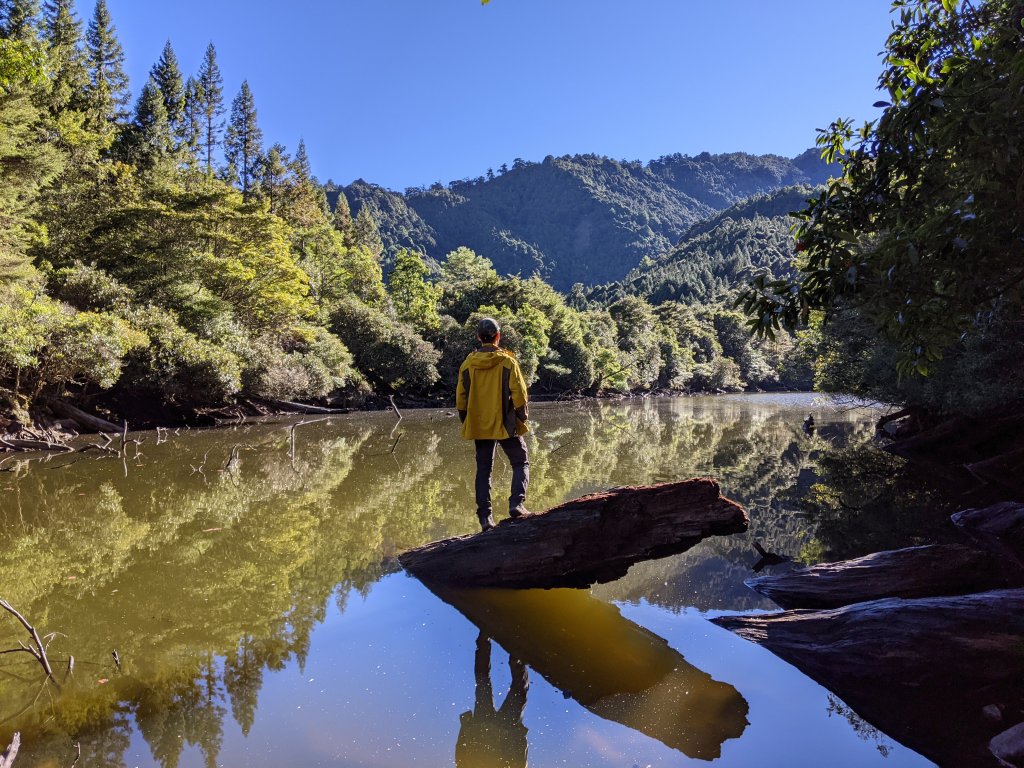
{"x":150,"y":134}
{"x":107,"y":91}
{"x":192,"y":117}
{"x":19,"y":19}
{"x":167,"y":75}
{"x":274,"y":173}
{"x":342,"y":219}
{"x":243,"y":142}
{"x":62,"y":31}
{"x":366,"y":233}
{"x":211,"y":101}
{"x":300,"y":165}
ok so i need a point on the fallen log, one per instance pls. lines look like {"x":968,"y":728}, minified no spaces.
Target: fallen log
{"x":17,"y":444}
{"x":83,"y":419}
{"x":616,"y":669}
{"x":928,"y":571}
{"x":592,"y":539}
{"x":928,"y":672}
{"x":288,"y":405}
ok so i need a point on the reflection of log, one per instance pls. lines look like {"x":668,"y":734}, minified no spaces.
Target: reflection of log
{"x":7,"y":758}
{"x":594,"y":538}
{"x":83,"y":419}
{"x":923,"y":671}
{"x":913,"y":572}
{"x":287,"y":405}
{"x":616,"y":669}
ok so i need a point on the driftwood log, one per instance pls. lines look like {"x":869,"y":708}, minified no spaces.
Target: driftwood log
{"x":940,"y":674}
{"x":86,"y":421}
{"x":592,"y":539}
{"x":939,"y":569}
{"x":613,"y":667}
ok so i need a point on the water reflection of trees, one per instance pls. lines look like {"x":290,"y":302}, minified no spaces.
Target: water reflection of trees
{"x":203,"y":581}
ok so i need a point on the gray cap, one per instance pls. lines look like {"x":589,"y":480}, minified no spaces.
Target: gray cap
{"x":488,"y":328}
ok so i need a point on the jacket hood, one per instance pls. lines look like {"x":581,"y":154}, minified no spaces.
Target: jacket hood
{"x":484,"y":360}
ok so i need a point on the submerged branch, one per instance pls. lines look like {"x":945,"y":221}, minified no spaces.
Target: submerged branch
{"x":39,"y":652}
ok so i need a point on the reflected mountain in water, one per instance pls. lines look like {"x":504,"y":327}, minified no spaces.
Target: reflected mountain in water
{"x":209,"y":561}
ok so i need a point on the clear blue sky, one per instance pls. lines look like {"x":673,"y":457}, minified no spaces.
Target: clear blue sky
{"x":408,"y":92}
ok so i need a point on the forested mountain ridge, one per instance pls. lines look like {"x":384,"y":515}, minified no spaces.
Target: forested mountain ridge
{"x":579,"y":218}
{"x":719,"y":253}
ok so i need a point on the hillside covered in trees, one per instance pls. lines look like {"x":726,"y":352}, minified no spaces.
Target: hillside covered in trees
{"x":580,"y":218}
{"x":719,"y":253}
{"x":159,"y":256}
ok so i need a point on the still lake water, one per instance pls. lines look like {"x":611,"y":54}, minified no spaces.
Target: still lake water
{"x":250,"y":591}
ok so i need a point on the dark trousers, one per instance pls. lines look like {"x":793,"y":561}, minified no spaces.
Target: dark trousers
{"x":515,"y":449}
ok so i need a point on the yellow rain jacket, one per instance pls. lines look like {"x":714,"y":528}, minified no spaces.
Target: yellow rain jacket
{"x":491,"y":395}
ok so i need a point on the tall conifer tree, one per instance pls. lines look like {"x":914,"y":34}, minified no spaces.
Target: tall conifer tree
{"x":19,"y":19}
{"x":167,"y":75}
{"x":210,"y":92}
{"x":342,"y":218}
{"x":274,"y":172}
{"x":243,"y":142}
{"x":300,"y":165}
{"x":62,"y":31}
{"x":192,"y":118}
{"x":107,"y":91}
{"x":151,"y":139}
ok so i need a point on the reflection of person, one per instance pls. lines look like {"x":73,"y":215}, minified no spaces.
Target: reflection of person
{"x":491,"y":400}
{"x":490,"y":738}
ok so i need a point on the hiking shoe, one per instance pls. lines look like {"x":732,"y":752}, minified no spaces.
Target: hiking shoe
{"x":520,"y":511}
{"x":486,"y":521}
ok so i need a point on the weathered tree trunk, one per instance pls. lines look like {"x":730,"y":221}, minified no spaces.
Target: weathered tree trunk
{"x":939,"y":569}
{"x":940,"y":674}
{"x":83,"y":419}
{"x":613,"y":667}
{"x":287,"y":405}
{"x":592,"y":539}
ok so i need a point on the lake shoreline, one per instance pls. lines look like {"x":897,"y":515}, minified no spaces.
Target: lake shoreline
{"x":52,"y":432}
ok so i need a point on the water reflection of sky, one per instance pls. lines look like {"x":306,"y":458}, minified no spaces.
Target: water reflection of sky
{"x":181,"y":570}
{"x":399,"y":672}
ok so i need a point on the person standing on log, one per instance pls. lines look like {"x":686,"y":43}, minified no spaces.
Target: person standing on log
{"x":492,"y":402}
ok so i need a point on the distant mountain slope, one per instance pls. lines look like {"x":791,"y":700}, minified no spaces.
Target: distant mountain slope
{"x":716,"y":254}
{"x":580,"y":218}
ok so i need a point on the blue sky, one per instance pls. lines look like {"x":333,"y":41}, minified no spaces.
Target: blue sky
{"x":408,"y":92}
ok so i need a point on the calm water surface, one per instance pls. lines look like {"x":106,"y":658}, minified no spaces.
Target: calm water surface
{"x":247,"y":582}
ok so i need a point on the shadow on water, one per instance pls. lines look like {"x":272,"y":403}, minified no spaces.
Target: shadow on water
{"x":616,"y":669}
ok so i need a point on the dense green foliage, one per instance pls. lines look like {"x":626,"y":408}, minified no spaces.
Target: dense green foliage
{"x":580,"y":218}
{"x":162,"y":257}
{"x":719,"y":253}
{"x":915,"y":253}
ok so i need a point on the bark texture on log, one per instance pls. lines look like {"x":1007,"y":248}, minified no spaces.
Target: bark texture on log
{"x":924,"y":671}
{"x":616,"y":669}
{"x":86,"y":421}
{"x":928,"y":571}
{"x":592,"y":539}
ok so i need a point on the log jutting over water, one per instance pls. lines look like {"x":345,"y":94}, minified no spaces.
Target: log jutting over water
{"x":592,"y":539}
{"x":936,"y":569}
{"x":940,"y":674}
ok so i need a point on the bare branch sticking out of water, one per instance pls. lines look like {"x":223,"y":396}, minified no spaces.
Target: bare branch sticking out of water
{"x":7,"y":758}
{"x":39,"y":651}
